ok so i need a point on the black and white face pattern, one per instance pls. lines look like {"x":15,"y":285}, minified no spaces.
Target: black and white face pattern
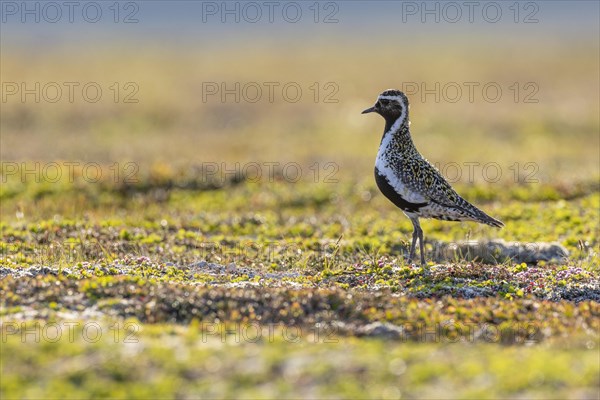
{"x":391,"y":105}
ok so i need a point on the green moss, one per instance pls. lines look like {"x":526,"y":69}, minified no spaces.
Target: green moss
{"x":300,"y":257}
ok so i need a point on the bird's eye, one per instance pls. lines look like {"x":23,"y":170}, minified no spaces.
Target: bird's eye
{"x":378,"y":104}
{"x":383,"y":102}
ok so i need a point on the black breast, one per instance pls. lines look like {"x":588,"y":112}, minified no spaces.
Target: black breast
{"x":389,"y":192}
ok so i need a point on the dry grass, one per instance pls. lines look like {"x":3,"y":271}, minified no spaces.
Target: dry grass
{"x":172,"y":124}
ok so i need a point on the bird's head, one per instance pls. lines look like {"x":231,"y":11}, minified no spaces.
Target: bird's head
{"x":391,"y":105}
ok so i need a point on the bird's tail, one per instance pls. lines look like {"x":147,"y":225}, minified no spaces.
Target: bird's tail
{"x":493,"y":222}
{"x":475,"y":214}
{"x":480,"y":216}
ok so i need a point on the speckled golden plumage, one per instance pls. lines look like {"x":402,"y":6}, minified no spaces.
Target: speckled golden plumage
{"x":409,"y":180}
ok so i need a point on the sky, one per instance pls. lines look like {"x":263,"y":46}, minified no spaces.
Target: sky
{"x":46,"y":25}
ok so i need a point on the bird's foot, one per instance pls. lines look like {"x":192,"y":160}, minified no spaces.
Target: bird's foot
{"x":411,"y":256}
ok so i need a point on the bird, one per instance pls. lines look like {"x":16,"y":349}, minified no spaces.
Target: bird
{"x":408,"y":180}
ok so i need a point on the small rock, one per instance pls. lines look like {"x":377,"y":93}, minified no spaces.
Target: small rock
{"x":498,"y":251}
{"x":383,"y":330}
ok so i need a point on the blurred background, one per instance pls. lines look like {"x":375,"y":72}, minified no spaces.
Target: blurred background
{"x":181,"y":83}
{"x":119,"y":119}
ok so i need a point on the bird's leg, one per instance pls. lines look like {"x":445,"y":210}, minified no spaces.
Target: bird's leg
{"x":415,"y":236}
{"x":421,"y":245}
{"x":411,"y":254}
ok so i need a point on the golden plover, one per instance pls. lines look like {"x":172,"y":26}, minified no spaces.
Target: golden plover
{"x":408,"y":180}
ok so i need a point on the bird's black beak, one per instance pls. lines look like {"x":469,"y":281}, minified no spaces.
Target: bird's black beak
{"x":369,"y":110}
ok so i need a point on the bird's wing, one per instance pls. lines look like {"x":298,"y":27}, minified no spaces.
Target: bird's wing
{"x":433,"y":186}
